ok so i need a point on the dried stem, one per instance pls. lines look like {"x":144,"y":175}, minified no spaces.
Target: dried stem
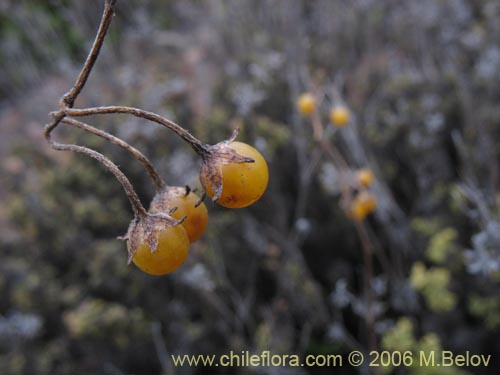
{"x":340,"y":162}
{"x":365,"y":243}
{"x":158,"y":181}
{"x":161,"y":349}
{"x":196,"y":144}
{"x":368,"y":278}
{"x":336,"y":157}
{"x":137,"y":206}
{"x":69,"y":98}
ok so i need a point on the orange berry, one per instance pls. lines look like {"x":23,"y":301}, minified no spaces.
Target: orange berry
{"x":365,"y":177}
{"x":306,"y":104}
{"x":185,"y":200}
{"x":339,"y":116}
{"x":170,"y":253}
{"x":363,"y":204}
{"x":242,"y":183}
{"x":358,"y":212}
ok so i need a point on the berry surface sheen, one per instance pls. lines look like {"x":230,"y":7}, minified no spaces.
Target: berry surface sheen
{"x":242,"y":183}
{"x":196,"y":217}
{"x":170,"y":254}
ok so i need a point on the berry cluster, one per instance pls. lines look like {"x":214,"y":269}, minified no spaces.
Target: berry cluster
{"x":159,"y":243}
{"x":359,"y":200}
{"x":355,"y":185}
{"x":339,"y":114}
{"x":233,"y":174}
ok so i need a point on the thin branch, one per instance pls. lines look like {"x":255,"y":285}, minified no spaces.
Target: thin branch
{"x":137,"y":206}
{"x":327,"y":148}
{"x":368,"y":279}
{"x":161,"y":349}
{"x":195,"y":143}
{"x":70,"y":97}
{"x":153,"y":173}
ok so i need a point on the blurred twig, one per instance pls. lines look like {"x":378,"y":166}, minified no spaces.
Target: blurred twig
{"x":367,"y":282}
{"x":161,"y":349}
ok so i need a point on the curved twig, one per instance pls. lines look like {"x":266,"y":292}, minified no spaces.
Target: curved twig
{"x":158,"y":181}
{"x":195,"y":143}
{"x":137,"y":206}
{"x":69,"y":98}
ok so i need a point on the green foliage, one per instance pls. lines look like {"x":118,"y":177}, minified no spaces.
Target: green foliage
{"x":442,"y":241}
{"x":487,"y":309}
{"x":101,"y":320}
{"x":442,"y":245}
{"x":276,"y":135}
{"x":401,"y":338}
{"x":263,"y":336}
{"x":424,"y":101}
{"x":430,"y":343}
{"x":426,"y":226}
{"x":433,"y":283}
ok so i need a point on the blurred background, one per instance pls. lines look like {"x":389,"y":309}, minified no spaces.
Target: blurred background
{"x":422,"y":82}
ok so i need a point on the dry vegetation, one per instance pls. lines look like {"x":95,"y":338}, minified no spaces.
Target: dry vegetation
{"x":289,"y":274}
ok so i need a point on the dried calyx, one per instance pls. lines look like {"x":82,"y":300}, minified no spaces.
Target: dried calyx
{"x":162,"y":201}
{"x":213,"y":158}
{"x":146,"y":229}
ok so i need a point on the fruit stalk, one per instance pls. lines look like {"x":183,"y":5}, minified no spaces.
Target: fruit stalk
{"x":138,"y":208}
{"x":195,"y":143}
{"x":158,"y":181}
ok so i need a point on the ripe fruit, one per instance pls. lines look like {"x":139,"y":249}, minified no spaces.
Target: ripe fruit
{"x":339,"y":116}
{"x":365,"y":177}
{"x":243,"y":183}
{"x":306,"y":104}
{"x":363,"y":205}
{"x":170,"y":253}
{"x":185,"y":200}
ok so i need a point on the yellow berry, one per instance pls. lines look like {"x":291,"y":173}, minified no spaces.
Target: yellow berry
{"x":306,"y":104}
{"x":358,"y":212}
{"x":170,"y":253}
{"x":185,"y":200}
{"x":339,"y":116}
{"x":363,"y":205}
{"x":242,"y":183}
{"x":365,"y":177}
